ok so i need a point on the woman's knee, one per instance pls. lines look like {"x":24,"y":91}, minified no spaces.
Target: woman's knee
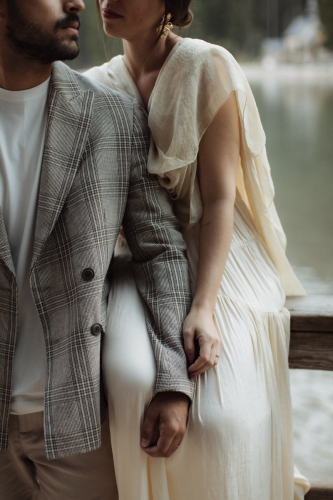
{"x":129,"y":380}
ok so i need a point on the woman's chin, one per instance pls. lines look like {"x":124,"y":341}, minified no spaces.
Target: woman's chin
{"x":112,"y":32}
{"x":112,"y":27}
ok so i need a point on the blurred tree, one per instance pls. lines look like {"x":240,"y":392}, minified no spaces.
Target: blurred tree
{"x":288,"y":10}
{"x":238,"y":25}
{"x":326,"y":13}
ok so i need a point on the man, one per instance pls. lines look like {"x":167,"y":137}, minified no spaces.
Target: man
{"x":72,"y":168}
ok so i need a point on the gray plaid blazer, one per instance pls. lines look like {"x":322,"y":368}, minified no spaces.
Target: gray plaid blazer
{"x":93,"y":179}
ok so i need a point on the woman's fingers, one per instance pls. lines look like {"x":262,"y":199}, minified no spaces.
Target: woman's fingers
{"x":189,"y":346}
{"x":204,"y":355}
{"x":199,"y":327}
{"x":209,"y":357}
{"x":215,"y":354}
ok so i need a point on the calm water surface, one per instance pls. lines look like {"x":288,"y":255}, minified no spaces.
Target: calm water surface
{"x":298,"y":121}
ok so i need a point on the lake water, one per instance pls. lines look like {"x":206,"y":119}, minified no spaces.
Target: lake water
{"x":297,"y":115}
{"x":296,"y":108}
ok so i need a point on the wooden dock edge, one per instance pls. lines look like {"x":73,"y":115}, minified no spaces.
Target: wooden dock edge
{"x":319,"y":491}
{"x":311,"y":348}
{"x":311,"y":336}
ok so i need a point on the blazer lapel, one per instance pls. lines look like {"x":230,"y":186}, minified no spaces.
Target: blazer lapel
{"x":69,"y":120}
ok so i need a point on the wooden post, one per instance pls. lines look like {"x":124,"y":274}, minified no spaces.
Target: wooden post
{"x":311,"y":347}
{"x":311,"y":340}
{"x":320,"y":491}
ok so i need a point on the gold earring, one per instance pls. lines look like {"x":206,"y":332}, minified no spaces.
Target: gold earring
{"x":168,"y":26}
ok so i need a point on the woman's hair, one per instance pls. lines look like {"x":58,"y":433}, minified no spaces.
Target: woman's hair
{"x":181,"y":14}
{"x":180,"y":10}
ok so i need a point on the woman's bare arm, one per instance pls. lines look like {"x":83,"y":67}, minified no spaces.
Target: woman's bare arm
{"x":218,"y":163}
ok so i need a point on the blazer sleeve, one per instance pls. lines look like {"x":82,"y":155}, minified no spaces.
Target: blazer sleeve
{"x":159,"y":264}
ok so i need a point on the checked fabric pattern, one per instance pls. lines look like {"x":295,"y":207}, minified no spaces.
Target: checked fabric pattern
{"x":93,"y":179}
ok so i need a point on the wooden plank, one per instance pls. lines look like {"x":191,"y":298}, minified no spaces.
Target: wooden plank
{"x":311,"y":323}
{"x":311,"y":304}
{"x":320,"y":491}
{"x":311,"y":351}
{"x":311,"y":313}
{"x":311,"y":339}
{"x":319,"y":494}
{"x":311,"y":347}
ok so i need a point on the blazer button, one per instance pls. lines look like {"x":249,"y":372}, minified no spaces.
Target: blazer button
{"x":96,"y":329}
{"x":88,"y":274}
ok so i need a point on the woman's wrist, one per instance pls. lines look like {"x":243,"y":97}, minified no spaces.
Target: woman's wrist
{"x":204,"y":306}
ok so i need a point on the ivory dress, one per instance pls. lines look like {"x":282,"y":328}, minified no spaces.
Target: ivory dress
{"x":239,"y":443}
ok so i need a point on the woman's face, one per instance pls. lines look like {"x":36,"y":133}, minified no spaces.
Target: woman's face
{"x":132,"y":19}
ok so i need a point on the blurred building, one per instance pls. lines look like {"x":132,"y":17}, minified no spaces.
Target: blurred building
{"x":303,"y":39}
{"x":301,"y":42}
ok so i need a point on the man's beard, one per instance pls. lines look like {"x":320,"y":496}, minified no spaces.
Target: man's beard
{"x":33,"y":42}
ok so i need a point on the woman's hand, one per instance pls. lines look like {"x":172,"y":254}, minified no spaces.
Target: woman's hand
{"x":199,"y":326}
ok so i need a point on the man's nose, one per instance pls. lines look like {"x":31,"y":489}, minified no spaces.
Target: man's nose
{"x":74,"y":6}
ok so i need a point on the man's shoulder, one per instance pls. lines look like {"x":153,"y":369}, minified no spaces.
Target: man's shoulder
{"x":103,"y":95}
{"x":111,"y":109}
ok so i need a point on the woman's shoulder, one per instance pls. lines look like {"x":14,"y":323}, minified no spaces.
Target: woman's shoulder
{"x":197,"y":46}
{"x":114,"y":74}
{"x":100,"y":73}
{"x":196,"y":64}
{"x":198,"y":51}
{"x":200,"y":74}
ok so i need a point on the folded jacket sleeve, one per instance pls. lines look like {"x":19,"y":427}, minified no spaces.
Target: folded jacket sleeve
{"x":159,"y":264}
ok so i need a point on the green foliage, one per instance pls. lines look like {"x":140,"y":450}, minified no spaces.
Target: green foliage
{"x":241,"y":25}
{"x":326,"y":12}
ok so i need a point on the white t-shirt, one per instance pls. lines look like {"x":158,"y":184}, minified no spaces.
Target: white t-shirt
{"x":23,"y":117}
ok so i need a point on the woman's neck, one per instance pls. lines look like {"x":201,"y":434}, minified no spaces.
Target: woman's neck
{"x":144,"y":61}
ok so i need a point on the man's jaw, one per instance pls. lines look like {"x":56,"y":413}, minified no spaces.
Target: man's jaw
{"x":35,"y":43}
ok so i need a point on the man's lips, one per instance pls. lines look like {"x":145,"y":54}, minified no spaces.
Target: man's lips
{"x":72,"y":28}
{"x":110,"y":14}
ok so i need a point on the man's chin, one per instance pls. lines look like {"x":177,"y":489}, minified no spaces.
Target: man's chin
{"x":71,"y":56}
{"x":69,"y":50}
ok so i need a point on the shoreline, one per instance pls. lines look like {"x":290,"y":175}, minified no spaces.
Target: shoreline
{"x":317,"y":74}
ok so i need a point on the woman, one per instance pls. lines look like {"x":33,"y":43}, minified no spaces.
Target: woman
{"x":208,"y":149}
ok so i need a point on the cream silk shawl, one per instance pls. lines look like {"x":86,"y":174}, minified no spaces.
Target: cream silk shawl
{"x":194,"y":82}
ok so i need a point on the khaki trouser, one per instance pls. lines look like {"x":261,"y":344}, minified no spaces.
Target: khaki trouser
{"x":26,"y":474}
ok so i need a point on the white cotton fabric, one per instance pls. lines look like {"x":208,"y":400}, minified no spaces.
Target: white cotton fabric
{"x":23,"y":117}
{"x":239,"y":441}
